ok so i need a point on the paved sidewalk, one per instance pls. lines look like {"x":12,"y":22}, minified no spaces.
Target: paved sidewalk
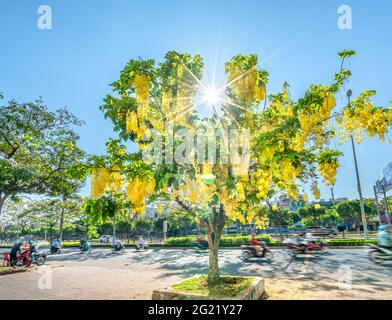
{"x":341,"y":274}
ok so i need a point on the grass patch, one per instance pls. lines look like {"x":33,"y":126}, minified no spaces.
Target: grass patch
{"x":228,"y":286}
{"x":5,"y":269}
{"x":9,"y":270}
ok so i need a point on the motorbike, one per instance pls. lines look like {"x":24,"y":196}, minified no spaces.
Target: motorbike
{"x":249,"y":252}
{"x":118,"y":249}
{"x":55,"y":250}
{"x":379,"y":255}
{"x":142,"y":247}
{"x":201,"y":246}
{"x":85,"y":248}
{"x":29,"y":257}
{"x":306,"y":247}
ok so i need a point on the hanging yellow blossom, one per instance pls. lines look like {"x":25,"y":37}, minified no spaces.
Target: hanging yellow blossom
{"x":142,"y":87}
{"x":100,"y":178}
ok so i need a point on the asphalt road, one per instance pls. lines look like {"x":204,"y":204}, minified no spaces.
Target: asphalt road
{"x":339,"y":274}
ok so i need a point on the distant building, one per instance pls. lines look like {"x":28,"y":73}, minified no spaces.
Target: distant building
{"x":151,"y":212}
{"x":290,"y":204}
{"x":329,"y":203}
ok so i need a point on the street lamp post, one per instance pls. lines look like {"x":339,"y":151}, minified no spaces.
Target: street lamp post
{"x":363,"y":214}
{"x":377,"y":207}
{"x":333,"y":197}
{"x":386,"y":204}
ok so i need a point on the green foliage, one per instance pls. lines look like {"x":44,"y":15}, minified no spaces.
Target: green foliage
{"x":99,"y":211}
{"x":351,"y":242}
{"x":225,"y":241}
{"x":350,"y":211}
{"x":141,"y":226}
{"x":312,"y":216}
{"x":38,"y":150}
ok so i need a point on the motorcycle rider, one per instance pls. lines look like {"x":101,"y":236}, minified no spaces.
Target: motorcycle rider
{"x":33,"y":250}
{"x":201,"y":242}
{"x":55,"y":245}
{"x":141,"y":244}
{"x":84,"y":245}
{"x":384,"y":238}
{"x":13,"y":253}
{"x":118,"y":246}
{"x":257,"y":245}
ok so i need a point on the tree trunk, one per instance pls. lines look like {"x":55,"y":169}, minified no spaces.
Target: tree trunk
{"x":280,"y":231}
{"x":3,"y":197}
{"x":61,"y":224}
{"x":213,"y":272}
{"x":50,"y":232}
{"x":214,"y":232}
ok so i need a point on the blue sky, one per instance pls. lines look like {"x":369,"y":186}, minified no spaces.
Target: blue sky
{"x":297,"y":41}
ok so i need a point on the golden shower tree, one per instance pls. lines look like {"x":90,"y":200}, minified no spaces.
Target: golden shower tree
{"x":289,"y":141}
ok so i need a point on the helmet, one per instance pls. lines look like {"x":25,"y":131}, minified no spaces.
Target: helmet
{"x":383,"y":227}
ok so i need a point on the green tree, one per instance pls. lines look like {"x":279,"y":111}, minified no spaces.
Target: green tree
{"x":48,"y":215}
{"x":290,"y":140}
{"x":142,"y":226}
{"x":38,"y":150}
{"x":350,"y":211}
{"x":278,"y":217}
{"x":318,"y":216}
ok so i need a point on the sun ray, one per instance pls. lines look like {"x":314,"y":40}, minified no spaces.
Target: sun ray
{"x":193,"y":76}
{"x":237,"y":79}
{"x":232,"y":103}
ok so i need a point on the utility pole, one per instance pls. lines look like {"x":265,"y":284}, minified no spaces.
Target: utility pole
{"x":365,"y":229}
{"x":114,"y":229}
{"x":333,"y":197}
{"x":386,"y":204}
{"x":377,"y":206}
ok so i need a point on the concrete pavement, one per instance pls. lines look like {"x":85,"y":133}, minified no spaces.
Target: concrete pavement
{"x":340,"y":274}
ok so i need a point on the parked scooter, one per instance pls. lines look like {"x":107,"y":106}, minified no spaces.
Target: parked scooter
{"x":29,"y":257}
{"x":379,"y":255}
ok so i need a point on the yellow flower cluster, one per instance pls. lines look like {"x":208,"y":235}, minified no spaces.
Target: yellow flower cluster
{"x":99,"y":180}
{"x":292,"y":191}
{"x":262,"y":222}
{"x":262,"y":179}
{"x":364,"y":118}
{"x":136,"y":125}
{"x":328,"y":171}
{"x":102,"y":179}
{"x":245,"y":85}
{"x":312,"y":122}
{"x":240,"y":191}
{"x":116,"y":181}
{"x":137,"y":191}
{"x":142,"y":88}
{"x":228,"y":202}
{"x":288,"y":171}
{"x":298,"y":142}
{"x":315,"y":190}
